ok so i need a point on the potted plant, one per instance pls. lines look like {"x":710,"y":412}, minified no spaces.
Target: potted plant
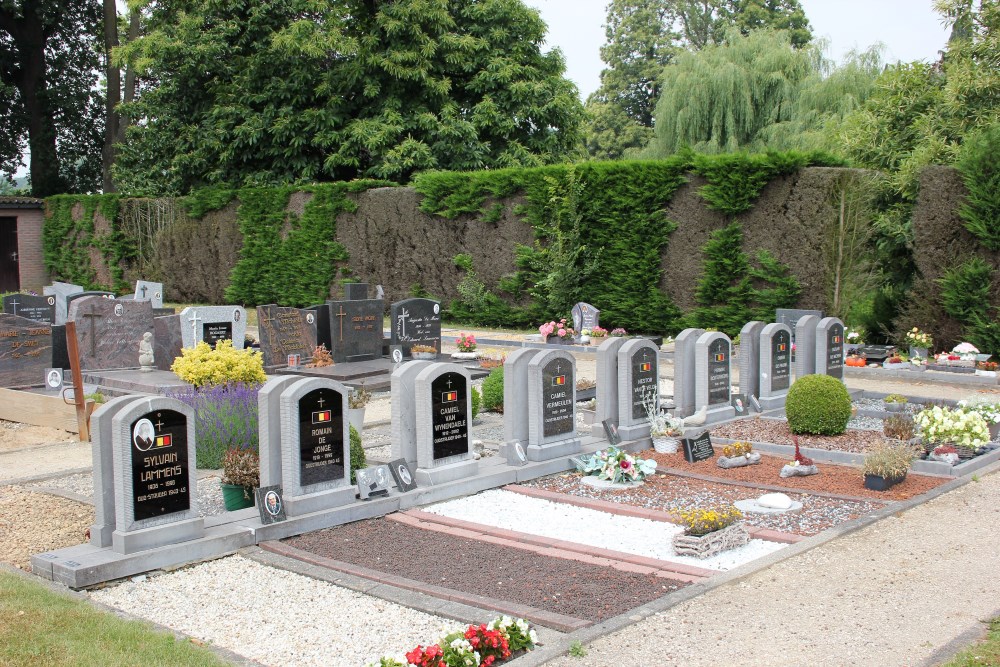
{"x":853,"y":340}
{"x":967,"y":430}
{"x":357,"y":399}
{"x":663,"y":429}
{"x":886,"y":464}
{"x":919,"y":342}
{"x":466,"y":346}
{"x":737,"y":455}
{"x":988,"y":410}
{"x":986,"y":368}
{"x":240,"y":476}
{"x":945,"y":454}
{"x":895,"y":402}
{"x":618,"y":333}
{"x":708,"y":532}
{"x":598,"y":335}
{"x":557,"y":332}
{"x":424,"y":352}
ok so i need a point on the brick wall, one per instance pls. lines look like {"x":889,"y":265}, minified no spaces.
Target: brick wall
{"x":31,"y":260}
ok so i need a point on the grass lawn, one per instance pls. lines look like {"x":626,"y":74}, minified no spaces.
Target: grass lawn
{"x":41,"y":627}
{"x":986,"y":652}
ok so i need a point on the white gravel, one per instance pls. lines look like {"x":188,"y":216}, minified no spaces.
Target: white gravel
{"x":273,"y":616}
{"x":559,"y":521}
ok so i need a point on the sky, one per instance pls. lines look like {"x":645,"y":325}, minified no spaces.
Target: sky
{"x":909,"y":29}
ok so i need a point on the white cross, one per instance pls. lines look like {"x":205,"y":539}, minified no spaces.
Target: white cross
{"x":449,"y":383}
{"x":13,"y":302}
{"x":401,"y":318}
{"x":321,"y":401}
{"x":194,"y":324}
{"x":559,"y":368}
{"x":159,"y":424}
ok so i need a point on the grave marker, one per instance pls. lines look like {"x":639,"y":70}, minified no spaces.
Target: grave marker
{"x":269,"y":427}
{"x":750,"y":367}
{"x":356,"y":291}
{"x":684,"y":372}
{"x":211,"y":324}
{"x":147,"y":291}
{"x":25,"y":351}
{"x":29,"y":306}
{"x":415,"y":322}
{"x":515,"y":397}
{"x":402,"y":384}
{"x":102,"y":453}
{"x":804,"y":343}
{"x":60,"y":291}
{"x":830,"y":347}
{"x":356,"y":329}
{"x":713,"y":376}
{"x":108,"y":332}
{"x":402,"y":473}
{"x":790,"y":317}
{"x":322,"y":325}
{"x":698,"y":448}
{"x":607,"y":382}
{"x":552,"y":406}
{"x":284,"y":332}
{"x":443,"y":414}
{"x":638,"y":377}
{"x":72,"y":298}
{"x":585,"y":316}
{"x":775,"y":365}
{"x":167,"y":340}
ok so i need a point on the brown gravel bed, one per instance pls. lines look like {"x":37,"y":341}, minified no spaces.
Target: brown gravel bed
{"x":31,"y":523}
{"x":841,"y":480}
{"x":776,"y":431}
{"x":554,"y":584}
{"x":669,"y":493}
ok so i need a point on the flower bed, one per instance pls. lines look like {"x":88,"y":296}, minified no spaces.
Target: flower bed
{"x":776,"y":431}
{"x":478,"y":645}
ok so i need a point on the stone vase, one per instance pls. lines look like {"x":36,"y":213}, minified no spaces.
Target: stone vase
{"x":356,"y":417}
{"x":918,"y":352}
{"x":706,"y":546}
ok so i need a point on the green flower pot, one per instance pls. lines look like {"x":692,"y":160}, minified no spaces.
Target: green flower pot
{"x":236,"y":497}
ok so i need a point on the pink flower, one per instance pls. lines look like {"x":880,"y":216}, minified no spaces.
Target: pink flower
{"x":625,"y":465}
{"x":562,"y":332}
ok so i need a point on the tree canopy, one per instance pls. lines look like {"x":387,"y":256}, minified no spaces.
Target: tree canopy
{"x":285,"y":91}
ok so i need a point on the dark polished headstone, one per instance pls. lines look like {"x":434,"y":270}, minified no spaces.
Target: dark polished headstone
{"x":167,"y":341}
{"x":718,"y":373}
{"x":585,"y":316}
{"x":790,"y":317}
{"x":321,"y":440}
{"x":60,"y":352}
{"x":415,"y":322}
{"x":322,"y":325}
{"x":25,"y":351}
{"x":356,"y":291}
{"x":449,"y":415}
{"x":108,"y":331}
{"x":557,"y":392}
{"x":698,"y":448}
{"x":160,"y":465}
{"x":284,"y":331}
{"x":645,"y":380}
{"x":29,"y":306}
{"x":781,"y":360}
{"x":356,"y":329}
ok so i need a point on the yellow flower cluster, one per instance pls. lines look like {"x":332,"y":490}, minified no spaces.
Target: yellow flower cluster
{"x":737,"y":449}
{"x":705,"y":521}
{"x":203,"y":366}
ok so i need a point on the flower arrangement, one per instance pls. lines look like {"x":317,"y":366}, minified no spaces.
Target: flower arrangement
{"x":660,"y":423}
{"x":598,"y":332}
{"x":965,"y":350}
{"x":898,"y":427}
{"x":554,"y":328}
{"x":618,"y":333}
{"x":960,"y":427}
{"x":988,"y":410}
{"x":987,"y":365}
{"x":704,"y":521}
{"x":617,"y":466}
{"x":855,"y":336}
{"x":241,"y":467}
{"x":430,"y":349}
{"x":321,"y":357}
{"x":799,"y":459}
{"x":895,"y":359}
{"x":476,"y":646}
{"x":737,"y":449}
{"x":917,"y":338}
{"x":492,"y":357}
{"x":202,"y":365}
{"x":466,"y":342}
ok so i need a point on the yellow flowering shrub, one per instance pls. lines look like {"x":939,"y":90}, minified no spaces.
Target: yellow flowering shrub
{"x":202,"y":366}
{"x":705,"y":521}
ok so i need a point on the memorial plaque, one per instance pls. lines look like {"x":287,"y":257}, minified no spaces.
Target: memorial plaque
{"x":698,"y":448}
{"x":213,"y":332}
{"x":835,"y":351}
{"x":270,"y":504}
{"x":718,"y":373}
{"x":108,"y":332}
{"x":356,"y":330}
{"x":449,"y":415}
{"x":644,"y":380}
{"x":321,"y":440}
{"x":781,"y":360}
{"x":585,"y":316}
{"x":286,"y":332}
{"x":415,"y":322}
{"x":159,"y":464}
{"x":29,"y":306}
{"x":25,"y":351}
{"x":403,"y":475}
{"x":373,"y":481}
{"x":611,"y":430}
{"x":557,"y":392}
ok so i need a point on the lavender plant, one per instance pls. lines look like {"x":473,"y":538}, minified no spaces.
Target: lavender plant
{"x":225,"y":417}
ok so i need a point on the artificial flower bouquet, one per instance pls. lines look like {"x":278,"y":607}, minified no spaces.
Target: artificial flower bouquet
{"x":617,"y":466}
{"x":558,"y":329}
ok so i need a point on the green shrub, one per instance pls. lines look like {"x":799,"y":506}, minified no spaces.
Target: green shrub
{"x":358,"y":460}
{"x":493,"y":390}
{"x":819,"y":405}
{"x":477,"y":402}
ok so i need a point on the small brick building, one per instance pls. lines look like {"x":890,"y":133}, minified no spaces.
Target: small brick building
{"x":22,"y":261}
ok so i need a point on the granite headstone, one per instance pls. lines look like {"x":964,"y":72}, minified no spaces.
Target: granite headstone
{"x":108,"y":331}
{"x":211,"y":324}
{"x":167,"y":340}
{"x":25,"y":351}
{"x":415,"y":322}
{"x":356,"y":329}
{"x":552,"y":406}
{"x":442,"y":392}
{"x":61,"y":291}
{"x":147,"y":291}
{"x":285,"y":331}
{"x":38,"y":308}
{"x":775,"y":365}
{"x":585,"y":316}
{"x":713,"y":376}
{"x":830,"y":347}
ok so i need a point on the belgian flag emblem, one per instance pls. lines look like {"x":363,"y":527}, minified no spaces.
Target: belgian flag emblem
{"x":558,"y":380}
{"x":721,"y":356}
{"x":645,"y":367}
{"x":449,"y":397}
{"x":164,"y":440}
{"x":781,"y":347}
{"x":322,"y":417}
{"x":836,"y":339}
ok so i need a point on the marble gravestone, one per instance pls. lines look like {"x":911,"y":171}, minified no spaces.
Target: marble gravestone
{"x":684,"y":371}
{"x":314,"y":446}
{"x":830,"y":347}
{"x":284,"y":331}
{"x":102,"y":452}
{"x":403,"y":410}
{"x":37,"y":308}
{"x":515,"y":397}
{"x":167,"y":341}
{"x":83,"y":295}
{"x":638,"y":381}
{"x":415,"y":322}
{"x":607,"y":383}
{"x":147,"y":291}
{"x":750,"y":367}
{"x":108,"y":331}
{"x":552,"y":406}
{"x":356,"y":329}
{"x":211,"y":324}
{"x":25,"y":351}
{"x":443,"y":396}
{"x":775,"y":365}
{"x":585,"y":316}
{"x":61,"y":291}
{"x":713,"y":376}
{"x":153,"y":446}
{"x":804,"y":345}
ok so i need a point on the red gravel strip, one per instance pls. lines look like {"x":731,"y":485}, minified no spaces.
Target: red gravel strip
{"x":776,"y":431}
{"x":479,"y":567}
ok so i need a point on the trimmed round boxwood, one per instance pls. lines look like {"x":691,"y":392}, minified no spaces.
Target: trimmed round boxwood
{"x":493,"y":390}
{"x":358,"y":459}
{"x":818,"y":405}
{"x":477,"y":401}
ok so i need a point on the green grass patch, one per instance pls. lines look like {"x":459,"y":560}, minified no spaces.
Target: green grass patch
{"x":986,"y":652}
{"x":41,"y":627}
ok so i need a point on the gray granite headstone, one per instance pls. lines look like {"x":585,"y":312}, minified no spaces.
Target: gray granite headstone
{"x":552,"y":406}
{"x":269,"y":427}
{"x":315,"y":447}
{"x":585,"y":316}
{"x":443,"y":418}
{"x":213,"y":323}
{"x":415,"y":322}
{"x":70,"y":299}
{"x":713,"y":376}
{"x":284,"y":331}
{"x":775,"y":365}
{"x":804,"y":345}
{"x":25,"y":351}
{"x":684,"y":371}
{"x":156,"y":486}
{"x":108,"y":331}
{"x":356,"y":329}
{"x":790,"y":317}
{"x":404,"y":410}
{"x":638,"y":377}
{"x":515,"y":396}
{"x":147,"y":291}
{"x":830,"y":347}
{"x":750,"y":359}
{"x":607,"y":383}
{"x":38,"y":308}
{"x":355,"y":291}
{"x":102,"y":453}
{"x":60,"y":291}
{"x":167,"y":341}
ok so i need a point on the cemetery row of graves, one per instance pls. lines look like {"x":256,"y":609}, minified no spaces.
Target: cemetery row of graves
{"x":751,"y":451}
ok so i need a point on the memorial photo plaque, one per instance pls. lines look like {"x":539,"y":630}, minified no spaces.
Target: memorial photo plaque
{"x":781,"y":360}
{"x":698,"y":448}
{"x":611,"y":430}
{"x":373,"y":481}
{"x":213,"y":332}
{"x":270,"y":504}
{"x":557,"y":392}
{"x":159,"y":464}
{"x":401,"y":472}
{"x":449,"y":415}
{"x":718,"y":373}
{"x":321,"y":439}
{"x":644,"y":380}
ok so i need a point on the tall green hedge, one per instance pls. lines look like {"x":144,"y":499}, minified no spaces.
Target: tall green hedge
{"x":66,"y":241}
